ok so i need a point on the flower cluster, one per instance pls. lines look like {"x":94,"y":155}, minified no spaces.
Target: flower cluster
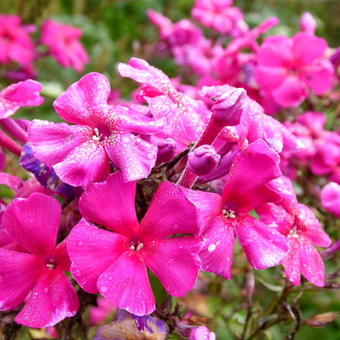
{"x":18,"y":49}
{"x":169,"y":184}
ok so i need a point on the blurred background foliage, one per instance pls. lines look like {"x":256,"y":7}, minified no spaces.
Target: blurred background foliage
{"x":114,"y":31}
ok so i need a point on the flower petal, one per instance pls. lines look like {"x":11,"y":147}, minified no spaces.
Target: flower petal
{"x":263,"y":245}
{"x":218,"y":247}
{"x":33,"y":222}
{"x":175,"y":262}
{"x":312,"y":266}
{"x":111,"y":204}
{"x":18,"y":274}
{"x":92,"y":251}
{"x":170,"y":213}
{"x":133,"y":156}
{"x":51,"y":142}
{"x":88,"y":162}
{"x":291,"y":263}
{"x":84,"y":99}
{"x":126,"y":285}
{"x":52,"y":300}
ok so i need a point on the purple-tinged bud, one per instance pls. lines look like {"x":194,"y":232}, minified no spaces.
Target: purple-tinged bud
{"x":335,"y":58}
{"x":202,"y":333}
{"x":203,"y":160}
{"x":307,"y":23}
{"x":227,"y":103}
{"x":166,"y":150}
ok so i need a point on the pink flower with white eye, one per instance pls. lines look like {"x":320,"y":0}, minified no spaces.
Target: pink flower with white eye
{"x":22,"y":94}
{"x":115,"y":261}
{"x":226,"y":216}
{"x":303,"y":231}
{"x":330,"y":198}
{"x":15,"y":43}
{"x":288,"y":68}
{"x":64,"y":44}
{"x":219,"y":15}
{"x":185,"y":118}
{"x":36,"y":275}
{"x":82,"y":153}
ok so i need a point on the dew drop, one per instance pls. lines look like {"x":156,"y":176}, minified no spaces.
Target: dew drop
{"x":103,"y":289}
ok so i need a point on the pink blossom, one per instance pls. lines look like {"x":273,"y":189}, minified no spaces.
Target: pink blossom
{"x":228,"y":215}
{"x":330,"y":198}
{"x":303,"y":231}
{"x":82,"y":153}
{"x":288,"y":68}
{"x":16,"y":44}
{"x":101,"y":312}
{"x":185,"y":118}
{"x":202,"y":333}
{"x":22,"y":94}
{"x":115,"y":262}
{"x":307,"y":23}
{"x":36,"y":275}
{"x":64,"y":44}
{"x":219,"y":15}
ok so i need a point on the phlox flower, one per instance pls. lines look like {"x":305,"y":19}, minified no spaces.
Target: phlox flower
{"x":220,"y":15}
{"x":303,"y":230}
{"x":16,"y":44}
{"x":185,"y":118}
{"x":22,"y":94}
{"x":227,"y":216}
{"x":81,"y":153}
{"x":288,"y":68}
{"x":114,"y":262}
{"x":64,"y":44}
{"x":36,"y":274}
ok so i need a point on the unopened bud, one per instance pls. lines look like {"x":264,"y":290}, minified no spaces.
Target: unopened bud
{"x":166,"y":150}
{"x":227,"y":103}
{"x":203,"y":160}
{"x":307,"y":23}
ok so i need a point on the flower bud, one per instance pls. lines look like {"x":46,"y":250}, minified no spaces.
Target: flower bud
{"x":307,"y":23}
{"x":201,"y":333}
{"x":227,"y":103}
{"x":203,"y":160}
{"x":166,"y":150}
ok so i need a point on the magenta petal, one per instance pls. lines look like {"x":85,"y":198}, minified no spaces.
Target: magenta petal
{"x":111,"y":204}
{"x":270,"y":77}
{"x":33,"y":222}
{"x":263,"y":245}
{"x":218,"y":247}
{"x":84,"y":99}
{"x":133,"y":156}
{"x":51,"y":142}
{"x":126,"y":285}
{"x":170,"y":213}
{"x":291,"y":93}
{"x":13,"y":182}
{"x":87,"y":162}
{"x":92,"y":251}
{"x":251,"y":171}
{"x":291,"y":263}
{"x":312,"y":266}
{"x":18,"y":274}
{"x":175,"y":262}
{"x":52,"y":300}
{"x":330,"y":198}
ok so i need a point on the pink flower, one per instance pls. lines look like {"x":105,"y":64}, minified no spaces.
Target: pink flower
{"x":115,"y":262}
{"x":288,"y":68}
{"x":100,"y":313}
{"x":227,"y":216}
{"x":22,"y":94}
{"x":303,"y":230}
{"x":202,"y":333}
{"x":64,"y":43}
{"x":15,"y":43}
{"x":307,"y":23}
{"x":219,"y":15}
{"x":330,"y":198}
{"x":185,"y":118}
{"x":81,"y":153}
{"x":36,"y":275}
